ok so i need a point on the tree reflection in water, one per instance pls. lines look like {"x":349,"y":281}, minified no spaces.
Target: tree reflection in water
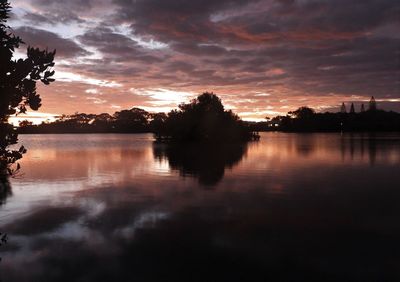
{"x":5,"y":191}
{"x":5,"y":188}
{"x":207,"y":162}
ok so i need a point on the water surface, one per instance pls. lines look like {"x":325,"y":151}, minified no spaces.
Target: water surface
{"x":122,"y":208}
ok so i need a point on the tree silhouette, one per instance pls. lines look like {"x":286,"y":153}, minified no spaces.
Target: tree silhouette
{"x":352,"y":110}
{"x":303,"y":113}
{"x":18,"y":86}
{"x":372,"y":104}
{"x":204,"y":119}
{"x":343,"y":108}
{"x":135,"y":119}
{"x":306,"y":119}
{"x":157,"y":124}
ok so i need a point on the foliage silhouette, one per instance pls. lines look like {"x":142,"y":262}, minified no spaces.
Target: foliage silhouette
{"x":135,"y":118}
{"x":204,"y":119}
{"x":18,"y":86}
{"x":305,"y":119}
{"x":198,"y":122}
{"x":126,"y":121}
{"x":302,"y":120}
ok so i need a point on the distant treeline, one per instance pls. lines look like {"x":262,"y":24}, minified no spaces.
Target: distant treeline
{"x":201,"y":120}
{"x":192,"y":121}
{"x":307,"y":120}
{"x":134,"y":120}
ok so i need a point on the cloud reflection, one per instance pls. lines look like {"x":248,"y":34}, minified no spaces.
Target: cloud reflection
{"x":297,"y":207}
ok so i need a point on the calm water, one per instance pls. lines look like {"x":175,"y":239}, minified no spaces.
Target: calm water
{"x":121,"y":208}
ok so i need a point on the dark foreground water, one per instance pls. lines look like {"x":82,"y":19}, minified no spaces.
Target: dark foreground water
{"x":292,"y":207}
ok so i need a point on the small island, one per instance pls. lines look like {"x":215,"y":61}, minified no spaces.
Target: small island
{"x":204,"y":119}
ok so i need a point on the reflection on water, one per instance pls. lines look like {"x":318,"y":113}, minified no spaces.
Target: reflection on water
{"x":118,"y":207}
{"x":206,"y":162}
{"x":5,"y":188}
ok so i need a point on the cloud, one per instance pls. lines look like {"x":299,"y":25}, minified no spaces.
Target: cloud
{"x":66,"y":48}
{"x":324,"y":51}
{"x":116,"y":46}
{"x":219,"y":21}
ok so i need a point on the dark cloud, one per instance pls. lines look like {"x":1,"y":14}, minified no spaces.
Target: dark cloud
{"x":64,"y":12}
{"x":180,"y":66}
{"x":44,"y":39}
{"x":115,"y":46}
{"x":322,"y":46}
{"x":74,"y":5}
{"x":107,"y":41}
{"x":294,"y":20}
{"x":36,"y":19}
{"x":52,"y":18}
{"x":174,"y":19}
{"x":291,"y":48}
{"x":199,"y":50}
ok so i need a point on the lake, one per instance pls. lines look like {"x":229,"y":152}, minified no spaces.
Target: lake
{"x":321,"y":207}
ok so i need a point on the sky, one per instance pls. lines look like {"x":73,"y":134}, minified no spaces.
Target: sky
{"x":262,"y":57}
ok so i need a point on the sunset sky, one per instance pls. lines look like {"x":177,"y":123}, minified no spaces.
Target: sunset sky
{"x":263,"y":58}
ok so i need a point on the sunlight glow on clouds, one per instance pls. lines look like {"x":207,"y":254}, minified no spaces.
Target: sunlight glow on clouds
{"x":92,"y":91}
{"x":149,"y":44}
{"x":73,"y":77}
{"x":262,"y":57}
{"x":34,"y":117}
{"x":162,"y":96}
